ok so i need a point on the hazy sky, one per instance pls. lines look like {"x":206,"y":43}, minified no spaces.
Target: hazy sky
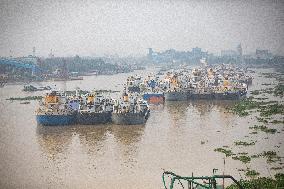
{"x":129,"y":27}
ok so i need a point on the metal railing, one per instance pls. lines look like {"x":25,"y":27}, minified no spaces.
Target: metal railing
{"x":202,"y":182}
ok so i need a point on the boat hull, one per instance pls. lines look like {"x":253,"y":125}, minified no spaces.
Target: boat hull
{"x":129,"y":118}
{"x":201,"y":96}
{"x":216,"y":96}
{"x":92,"y":118}
{"x":229,"y":96}
{"x":176,"y":95}
{"x":134,"y":89}
{"x":54,"y":120}
{"x":154,"y":98}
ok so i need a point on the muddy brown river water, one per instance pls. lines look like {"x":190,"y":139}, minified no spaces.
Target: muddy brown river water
{"x":179,"y":136}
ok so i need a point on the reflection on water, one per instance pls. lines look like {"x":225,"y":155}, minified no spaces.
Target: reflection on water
{"x":156,"y":107}
{"x":127,"y":135}
{"x":177,"y":110}
{"x":206,"y":106}
{"x":183,"y":112}
{"x":127,"y":138}
{"x":92,"y":137}
{"x":54,"y":140}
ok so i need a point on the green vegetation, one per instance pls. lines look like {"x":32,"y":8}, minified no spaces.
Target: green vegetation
{"x":261,"y":98}
{"x":261,"y":120}
{"x":238,"y":143}
{"x":253,"y":133}
{"x":242,"y":158}
{"x":243,"y":105}
{"x":271,"y":109}
{"x":255,"y":156}
{"x":271,"y":156}
{"x":264,"y":129}
{"x":266,"y":109}
{"x":255,"y":92}
{"x":26,"y":98}
{"x":266,"y":84}
{"x":106,"y":91}
{"x":242,"y":153}
{"x":277,"y":76}
{"x":279,"y":90}
{"x":261,"y":91}
{"x":277,"y":122}
{"x":226,"y":152}
{"x":261,"y":183}
{"x":243,"y":170}
{"x":252,"y":173}
{"x":276,"y":168}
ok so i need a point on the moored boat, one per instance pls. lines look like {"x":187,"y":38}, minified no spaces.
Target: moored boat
{"x":154,"y":97}
{"x":54,"y":110}
{"x":133,"y":84}
{"x":198,"y":95}
{"x":228,"y":95}
{"x":130,"y":118}
{"x":176,"y":95}
{"x":176,"y":87}
{"x":130,"y":111}
{"x":96,"y":109}
{"x":152,"y":92}
{"x":54,"y":119}
{"x":93,"y":118}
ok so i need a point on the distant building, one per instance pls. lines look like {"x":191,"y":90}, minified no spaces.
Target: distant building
{"x":262,"y":54}
{"x":229,"y":53}
{"x":240,"y":50}
{"x":50,"y":55}
{"x":150,"y":54}
{"x":28,"y":59}
{"x":240,"y":54}
{"x":171,"y":55}
{"x":196,"y":52}
{"x":34,"y":51}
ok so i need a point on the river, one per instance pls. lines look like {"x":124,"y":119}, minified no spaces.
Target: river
{"x":178,"y":136}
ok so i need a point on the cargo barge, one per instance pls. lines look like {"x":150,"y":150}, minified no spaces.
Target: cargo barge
{"x":94,"y":109}
{"x":130,"y":110}
{"x":54,"y":110}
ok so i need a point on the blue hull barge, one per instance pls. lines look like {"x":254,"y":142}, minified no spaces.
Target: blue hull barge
{"x":54,"y":120}
{"x":55,"y":110}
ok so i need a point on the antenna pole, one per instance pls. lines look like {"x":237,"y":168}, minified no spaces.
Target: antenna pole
{"x":224,"y":173}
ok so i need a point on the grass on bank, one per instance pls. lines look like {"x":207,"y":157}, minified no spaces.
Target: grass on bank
{"x":26,"y":98}
{"x":261,"y":183}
